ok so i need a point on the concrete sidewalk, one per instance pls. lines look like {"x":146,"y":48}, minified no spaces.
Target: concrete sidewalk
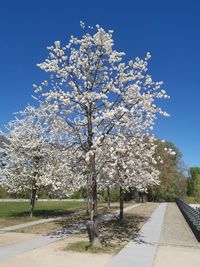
{"x":140,"y":252}
{"x":22,"y":247}
{"x":22,"y":225}
{"x":178,"y":246}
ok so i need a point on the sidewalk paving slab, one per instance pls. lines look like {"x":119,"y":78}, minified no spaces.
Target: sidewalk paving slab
{"x":140,"y":251}
{"x":22,"y":225}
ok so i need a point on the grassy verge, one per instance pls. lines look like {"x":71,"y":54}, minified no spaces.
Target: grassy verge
{"x":18,"y":212}
{"x":42,"y":209}
{"x":192,"y":200}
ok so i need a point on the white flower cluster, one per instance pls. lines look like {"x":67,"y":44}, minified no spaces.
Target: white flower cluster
{"x":127,"y":162}
{"x":102,"y":100}
{"x":170,"y":151}
{"x":33,"y":157}
{"x":95,"y":124}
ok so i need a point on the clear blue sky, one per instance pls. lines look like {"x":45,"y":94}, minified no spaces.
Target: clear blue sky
{"x":170,"y":30}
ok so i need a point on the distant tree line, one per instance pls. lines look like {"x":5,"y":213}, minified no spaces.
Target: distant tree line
{"x":173,"y":175}
{"x":193,"y":189}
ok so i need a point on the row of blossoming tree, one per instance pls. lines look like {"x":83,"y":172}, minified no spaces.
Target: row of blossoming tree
{"x":92,"y":127}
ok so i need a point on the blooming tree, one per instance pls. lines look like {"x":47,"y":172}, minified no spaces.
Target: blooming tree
{"x":98,"y":95}
{"x":128,"y":162}
{"x":33,"y":159}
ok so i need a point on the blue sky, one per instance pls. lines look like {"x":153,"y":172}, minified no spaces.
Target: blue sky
{"x":170,"y":30}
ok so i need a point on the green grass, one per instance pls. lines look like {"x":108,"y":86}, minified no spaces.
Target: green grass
{"x":42,"y":209}
{"x":192,"y":200}
{"x":85,"y":246}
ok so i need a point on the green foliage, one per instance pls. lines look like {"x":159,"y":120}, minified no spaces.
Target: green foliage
{"x":114,"y":195}
{"x":129,"y":195}
{"x":172,"y":181}
{"x":193,"y":189}
{"x":81,"y":193}
{"x":3,"y":193}
{"x":197,"y":187}
{"x":194,"y":172}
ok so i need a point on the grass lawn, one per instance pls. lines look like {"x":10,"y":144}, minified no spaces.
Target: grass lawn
{"x":12,"y":213}
{"x":42,"y":209}
{"x":191,"y":200}
{"x":18,"y":212}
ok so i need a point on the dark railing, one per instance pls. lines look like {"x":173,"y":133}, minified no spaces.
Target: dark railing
{"x":191,"y":215}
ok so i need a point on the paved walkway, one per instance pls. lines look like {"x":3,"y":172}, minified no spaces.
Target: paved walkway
{"x":140,"y":251}
{"x":13,"y":250}
{"x":164,"y":241}
{"x":178,"y":246}
{"x":22,"y":225}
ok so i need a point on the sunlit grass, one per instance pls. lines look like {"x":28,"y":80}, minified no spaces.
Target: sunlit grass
{"x":85,"y":246}
{"x":42,"y":209}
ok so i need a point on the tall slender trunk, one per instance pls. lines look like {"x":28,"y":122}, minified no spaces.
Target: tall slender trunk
{"x":32,"y":202}
{"x":121,"y":204}
{"x":87,"y":205}
{"x":93,"y":226}
{"x":137,"y":196}
{"x":88,"y":197}
{"x":108,"y":196}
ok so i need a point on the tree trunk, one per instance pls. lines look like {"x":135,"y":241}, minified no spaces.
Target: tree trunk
{"x":108,"y":196}
{"x":88,"y":205}
{"x":32,"y":202}
{"x":137,"y":199}
{"x":88,"y":198}
{"x":121,"y":202}
{"x":93,"y":225}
